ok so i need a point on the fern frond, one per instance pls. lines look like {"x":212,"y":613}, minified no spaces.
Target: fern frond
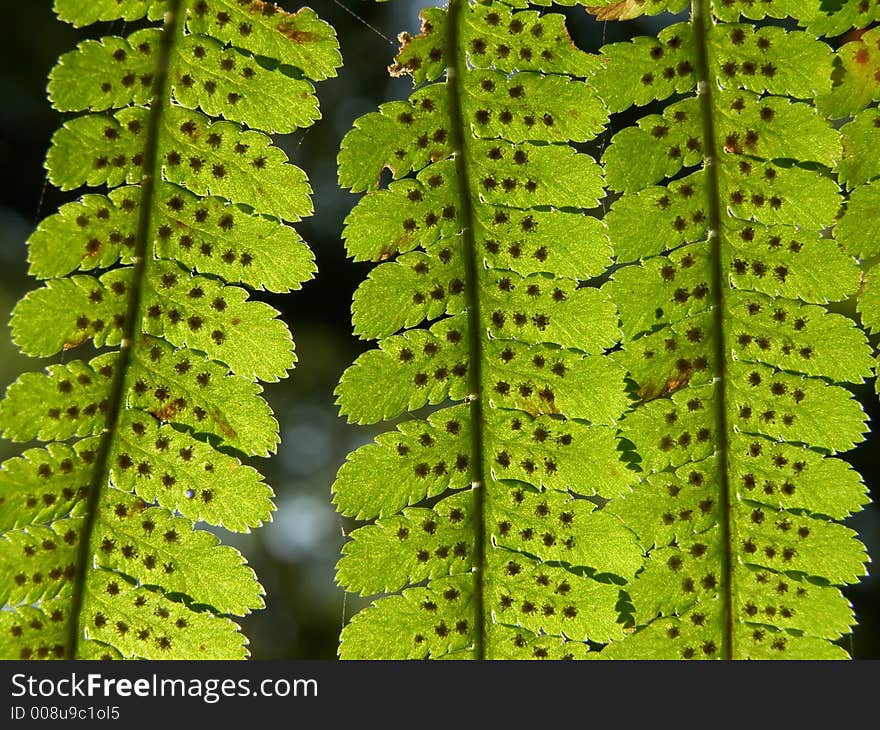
{"x":725,"y":271}
{"x":854,"y":97}
{"x":488,"y":532}
{"x":99,"y":553}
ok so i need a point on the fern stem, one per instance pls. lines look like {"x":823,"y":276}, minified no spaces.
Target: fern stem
{"x":702,"y":21}
{"x":456,"y":68}
{"x":120,"y":384}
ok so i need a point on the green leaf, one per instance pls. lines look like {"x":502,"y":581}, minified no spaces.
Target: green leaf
{"x":67,"y":312}
{"x":207,"y":158}
{"x":43,"y":485}
{"x":417,"y":453}
{"x":86,"y":12}
{"x":94,"y":232}
{"x":301,"y":39}
{"x":154,"y":547}
{"x":677,"y":133}
{"x":801,"y":10}
{"x":855,"y":82}
{"x":769,"y":59}
{"x":65,"y":401}
{"x":186,"y":388}
{"x":856,"y":87}
{"x":140,"y":623}
{"x":202,"y":314}
{"x":115,"y":72}
{"x":839,"y":17}
{"x":408,"y":372}
{"x":645,"y":69}
{"x":173,"y":469}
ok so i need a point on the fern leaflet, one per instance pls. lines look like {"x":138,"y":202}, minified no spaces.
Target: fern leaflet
{"x":99,"y":552}
{"x":488,"y":532}
{"x":726,"y":269}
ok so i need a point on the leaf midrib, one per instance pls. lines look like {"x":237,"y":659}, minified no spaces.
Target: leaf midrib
{"x":455,"y":72}
{"x":701,"y":19}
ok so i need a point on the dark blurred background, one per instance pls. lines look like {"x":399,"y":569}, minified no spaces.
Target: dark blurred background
{"x":294,"y":556}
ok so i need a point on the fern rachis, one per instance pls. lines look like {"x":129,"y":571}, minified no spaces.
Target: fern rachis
{"x":98,"y":528}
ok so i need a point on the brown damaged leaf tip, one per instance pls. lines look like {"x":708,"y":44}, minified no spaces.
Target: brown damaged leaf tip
{"x":289,"y":29}
{"x":623,"y":10}
{"x":651,"y":391}
{"x":403,"y":66}
{"x":224,"y":425}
